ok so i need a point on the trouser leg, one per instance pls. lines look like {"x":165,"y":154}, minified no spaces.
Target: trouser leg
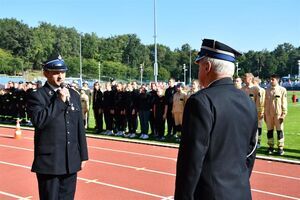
{"x":280,"y":139}
{"x":67,"y":186}
{"x":270,"y":138}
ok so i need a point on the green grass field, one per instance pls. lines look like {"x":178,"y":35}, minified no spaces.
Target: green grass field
{"x":291,"y":131}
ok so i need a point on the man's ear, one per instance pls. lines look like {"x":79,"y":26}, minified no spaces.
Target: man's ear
{"x":207,"y":67}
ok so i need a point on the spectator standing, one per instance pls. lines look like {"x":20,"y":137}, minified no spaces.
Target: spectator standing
{"x":179,"y":100}
{"x":275,"y":113}
{"x":98,"y":107}
{"x":144,"y":106}
{"x":260,"y":105}
{"x":169,"y":93}
{"x":160,"y":109}
{"x":108,"y":109}
{"x":85,"y":107}
{"x":153,"y":97}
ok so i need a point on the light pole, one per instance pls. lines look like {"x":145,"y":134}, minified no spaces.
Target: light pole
{"x":237,"y":68}
{"x":141,"y":70}
{"x":99,"y":67}
{"x":298,"y":68}
{"x":155,"y":46}
{"x":190,"y":81}
{"x":184,"y":75}
{"x":80,"y":60}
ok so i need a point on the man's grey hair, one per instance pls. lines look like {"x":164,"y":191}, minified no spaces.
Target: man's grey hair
{"x":221,"y":66}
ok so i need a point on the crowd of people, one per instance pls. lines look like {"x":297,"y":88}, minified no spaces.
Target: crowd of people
{"x":122,"y":106}
{"x":119,"y":107}
{"x":271,"y":106}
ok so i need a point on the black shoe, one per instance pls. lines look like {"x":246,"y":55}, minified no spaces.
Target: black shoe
{"x":271,"y":150}
{"x":280,"y":152}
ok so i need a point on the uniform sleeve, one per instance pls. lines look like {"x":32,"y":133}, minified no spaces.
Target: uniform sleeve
{"x":41,"y":114}
{"x":267,"y":102}
{"x":284,"y":103}
{"x":197,"y":125}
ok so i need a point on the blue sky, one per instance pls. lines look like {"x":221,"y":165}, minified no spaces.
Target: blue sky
{"x":243,"y":24}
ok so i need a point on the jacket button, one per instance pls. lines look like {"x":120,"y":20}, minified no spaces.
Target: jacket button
{"x":68,"y":142}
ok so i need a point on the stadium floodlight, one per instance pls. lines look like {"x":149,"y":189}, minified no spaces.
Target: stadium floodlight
{"x":298,"y":68}
{"x":141,"y":70}
{"x":80,"y":60}
{"x":155,"y":47}
{"x":237,"y":69}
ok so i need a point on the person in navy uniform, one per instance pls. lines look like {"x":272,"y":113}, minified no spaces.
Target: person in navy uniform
{"x":60,"y":147}
{"x":217,"y":149}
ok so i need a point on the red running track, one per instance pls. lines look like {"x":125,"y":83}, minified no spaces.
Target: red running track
{"x":123,"y":170}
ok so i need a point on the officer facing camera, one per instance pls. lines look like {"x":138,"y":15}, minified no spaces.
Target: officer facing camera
{"x":60,"y":148}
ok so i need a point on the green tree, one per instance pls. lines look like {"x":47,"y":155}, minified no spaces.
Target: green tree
{"x":15,"y":37}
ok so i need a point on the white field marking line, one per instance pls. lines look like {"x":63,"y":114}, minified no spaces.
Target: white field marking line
{"x":15,"y":165}
{"x":168,"y":198}
{"x":120,"y":151}
{"x":14,"y":147}
{"x":109,"y":163}
{"x":134,"y":153}
{"x":278,"y":175}
{"x":128,"y":189}
{"x":11,"y":136}
{"x":123,"y":188}
{"x":15,"y":196}
{"x":95,"y":181}
{"x":132,"y":167}
{"x":275,"y":194}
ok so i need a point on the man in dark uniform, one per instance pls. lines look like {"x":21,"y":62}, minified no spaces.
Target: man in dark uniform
{"x":170,"y":91}
{"x":60,"y":148}
{"x":217,"y":150}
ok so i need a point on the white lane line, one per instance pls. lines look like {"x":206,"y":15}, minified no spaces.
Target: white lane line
{"x":15,"y":196}
{"x":278,"y":175}
{"x":132,"y":167}
{"x":12,"y":136}
{"x":129,"y":152}
{"x":123,"y":188}
{"x":96,"y":182}
{"x":275,"y":194}
{"x":133,"y":153}
{"x":14,"y":147}
{"x":15,"y":165}
{"x":154,"y":171}
{"x":146,"y":193}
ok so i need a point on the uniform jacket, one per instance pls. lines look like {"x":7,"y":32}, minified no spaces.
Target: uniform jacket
{"x":179,"y":100}
{"x":59,"y":138}
{"x":260,"y":101}
{"x":219,"y":129}
{"x":276,"y":101}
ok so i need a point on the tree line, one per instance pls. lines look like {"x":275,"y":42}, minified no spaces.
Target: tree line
{"x":24,"y":48}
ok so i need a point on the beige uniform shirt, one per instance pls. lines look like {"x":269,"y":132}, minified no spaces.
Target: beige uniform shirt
{"x":84,"y":99}
{"x":251,"y":91}
{"x":276,"y":101}
{"x":260,"y":100}
{"x":179,"y":100}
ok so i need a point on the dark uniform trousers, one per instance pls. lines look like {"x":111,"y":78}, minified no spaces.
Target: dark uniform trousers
{"x":59,"y":142}
{"x":53,"y":187}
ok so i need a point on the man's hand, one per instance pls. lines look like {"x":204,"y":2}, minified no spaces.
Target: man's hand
{"x":64,"y":94}
{"x":83,"y":164}
{"x":281,"y":119}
